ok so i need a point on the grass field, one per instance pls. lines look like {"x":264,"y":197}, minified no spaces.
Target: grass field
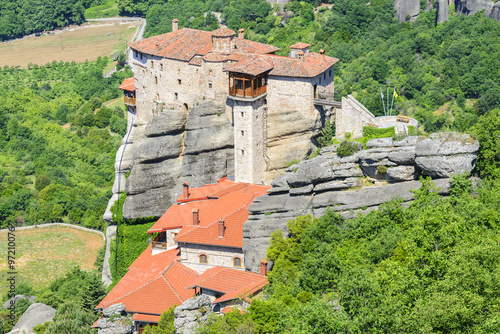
{"x":44,"y":254}
{"x":83,"y":43}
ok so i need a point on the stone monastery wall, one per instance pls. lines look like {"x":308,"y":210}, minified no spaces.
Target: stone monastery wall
{"x":216,"y":256}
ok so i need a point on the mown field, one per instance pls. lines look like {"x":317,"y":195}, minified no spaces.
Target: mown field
{"x":45,"y":254}
{"x":79,"y":45}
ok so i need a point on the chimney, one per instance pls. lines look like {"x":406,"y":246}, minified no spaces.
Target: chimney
{"x":322,"y":53}
{"x":174,"y":24}
{"x":300,"y":54}
{"x":263,"y":267}
{"x":196,"y":217}
{"x":222,"y":228}
{"x":185,"y":187}
{"x":241,"y":33}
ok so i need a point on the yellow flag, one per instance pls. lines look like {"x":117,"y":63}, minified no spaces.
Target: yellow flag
{"x":395,"y":94}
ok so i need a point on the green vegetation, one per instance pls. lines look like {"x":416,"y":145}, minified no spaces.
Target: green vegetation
{"x":165,"y":325}
{"x":327,"y":134}
{"x":24,"y":17}
{"x":347,"y":148}
{"x":107,"y":8}
{"x":57,"y":144}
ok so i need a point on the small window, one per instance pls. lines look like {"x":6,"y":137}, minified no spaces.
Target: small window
{"x":176,"y":96}
{"x":141,"y":55}
{"x":242,"y":133}
{"x":152,"y":65}
{"x":330,"y":73}
{"x":196,"y":71}
{"x":210,"y":85}
{"x":242,"y":114}
{"x":203,"y":258}
{"x":157,"y":97}
{"x":324,"y":75}
{"x":161,"y":67}
{"x":210,"y":72}
{"x":179,"y":81}
{"x":242,"y":152}
{"x":135,"y":53}
{"x":236,"y":262}
{"x":156,"y":80}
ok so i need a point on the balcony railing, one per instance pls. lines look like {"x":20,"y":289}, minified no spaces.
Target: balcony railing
{"x":129,"y":101}
{"x":248,"y":92}
{"x":159,"y":244}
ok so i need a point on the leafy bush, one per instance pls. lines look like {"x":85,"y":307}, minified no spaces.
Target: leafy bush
{"x":347,"y":148}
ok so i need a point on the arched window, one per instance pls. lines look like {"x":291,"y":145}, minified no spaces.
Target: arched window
{"x":236,"y":262}
{"x":156,"y":80}
{"x":203,"y":258}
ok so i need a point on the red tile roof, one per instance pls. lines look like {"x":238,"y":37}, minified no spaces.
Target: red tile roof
{"x":252,"y":65}
{"x":185,"y":43}
{"x":226,"y":200}
{"x":223,"y":32}
{"x":146,"y":318}
{"x":300,"y":45}
{"x":152,"y":284}
{"x":228,"y":309}
{"x":128,"y":84}
{"x":233,"y":283}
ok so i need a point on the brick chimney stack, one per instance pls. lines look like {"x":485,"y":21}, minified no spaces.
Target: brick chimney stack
{"x":322,"y":53}
{"x":175,"y":25}
{"x":241,"y":33}
{"x":185,"y":187}
{"x":196,"y":217}
{"x":263,"y":267}
{"x":222,"y":228}
{"x":300,"y":54}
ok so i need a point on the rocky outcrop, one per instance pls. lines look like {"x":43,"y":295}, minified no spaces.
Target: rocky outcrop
{"x":174,"y":147}
{"x":470,"y":7}
{"x":495,"y":12}
{"x":355,"y":184}
{"x":16,"y":298}
{"x":406,"y":9}
{"x":191,"y":314}
{"x":443,"y":10}
{"x":115,"y":321}
{"x":36,"y":314}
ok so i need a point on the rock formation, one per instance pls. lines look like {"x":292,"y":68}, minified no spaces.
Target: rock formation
{"x":16,"y":298}
{"x":115,"y":321}
{"x":470,"y":7}
{"x":357,"y":183}
{"x":407,"y":7}
{"x":495,"y":11}
{"x":36,"y":314}
{"x":191,"y":313}
{"x":442,"y":11}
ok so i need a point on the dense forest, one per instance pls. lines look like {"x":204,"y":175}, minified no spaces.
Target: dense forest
{"x":23,"y":17}
{"x":58,"y":142}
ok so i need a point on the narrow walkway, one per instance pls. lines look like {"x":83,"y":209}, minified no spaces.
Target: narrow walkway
{"x":106,"y":271}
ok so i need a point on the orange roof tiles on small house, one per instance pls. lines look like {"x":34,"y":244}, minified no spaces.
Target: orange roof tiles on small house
{"x":214,"y":202}
{"x":300,"y":45}
{"x":128,"y":84}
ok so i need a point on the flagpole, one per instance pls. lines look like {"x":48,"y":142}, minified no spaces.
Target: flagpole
{"x":382,"y":95}
{"x":392,"y":104}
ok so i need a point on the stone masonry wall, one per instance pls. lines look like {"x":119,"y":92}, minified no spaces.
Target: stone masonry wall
{"x":216,"y":256}
{"x":352,"y":118}
{"x":354,"y":184}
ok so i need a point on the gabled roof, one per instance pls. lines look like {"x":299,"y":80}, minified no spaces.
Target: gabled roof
{"x":146,"y":318}
{"x":128,"y":84}
{"x":185,"y":43}
{"x":252,"y":65}
{"x":233,"y":283}
{"x":152,"y":284}
{"x":299,"y":45}
{"x":227,"y":200}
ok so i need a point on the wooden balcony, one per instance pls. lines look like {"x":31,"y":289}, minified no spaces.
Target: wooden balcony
{"x":160,"y":241}
{"x":247,"y":87}
{"x":129,"y":101}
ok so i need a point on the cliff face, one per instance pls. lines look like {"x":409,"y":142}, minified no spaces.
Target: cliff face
{"x":356,"y":183}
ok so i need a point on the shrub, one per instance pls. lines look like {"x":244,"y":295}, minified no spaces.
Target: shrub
{"x":382,"y":169}
{"x":347,"y":148}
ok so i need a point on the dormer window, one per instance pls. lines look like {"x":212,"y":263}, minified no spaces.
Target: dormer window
{"x":203,"y":259}
{"x":236,"y":262}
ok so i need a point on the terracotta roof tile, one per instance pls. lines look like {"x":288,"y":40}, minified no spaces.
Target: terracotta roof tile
{"x":214,"y":202}
{"x":128,"y":84}
{"x":214,"y":57}
{"x":146,"y":318}
{"x":252,"y":65}
{"x":299,"y":45}
{"x":223,"y":32}
{"x":186,"y":43}
{"x":196,"y":61}
{"x":233,"y":283}
{"x":228,"y":309}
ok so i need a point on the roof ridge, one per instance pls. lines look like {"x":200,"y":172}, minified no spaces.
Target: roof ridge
{"x":134,"y":290}
{"x":171,"y":287}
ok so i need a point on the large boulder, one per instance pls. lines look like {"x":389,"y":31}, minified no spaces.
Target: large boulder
{"x":36,"y":314}
{"x":191,"y":314}
{"x":16,"y":298}
{"x":115,"y":321}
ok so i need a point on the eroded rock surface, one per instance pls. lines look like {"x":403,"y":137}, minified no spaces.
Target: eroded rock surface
{"x":115,"y":321}
{"x":357,"y":183}
{"x":36,"y":314}
{"x":191,"y":314}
